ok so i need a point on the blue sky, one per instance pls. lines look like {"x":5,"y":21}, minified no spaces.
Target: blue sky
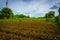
{"x":33,"y":8}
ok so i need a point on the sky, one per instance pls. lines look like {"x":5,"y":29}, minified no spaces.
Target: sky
{"x":33,"y":8}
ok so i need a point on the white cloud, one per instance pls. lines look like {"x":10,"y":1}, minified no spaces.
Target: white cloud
{"x":34,"y":8}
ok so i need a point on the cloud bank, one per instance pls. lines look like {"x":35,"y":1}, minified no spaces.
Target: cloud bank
{"x":34,"y":8}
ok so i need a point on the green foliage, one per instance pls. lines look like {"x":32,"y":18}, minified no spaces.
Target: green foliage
{"x":50,"y":15}
{"x":56,"y":18}
{"x":6,"y":13}
{"x":46,"y":16}
{"x":57,"y":21}
{"x":22,"y":16}
{"x":1,"y":15}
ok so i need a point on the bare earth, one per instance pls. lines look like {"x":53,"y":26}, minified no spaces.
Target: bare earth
{"x":32,"y":30}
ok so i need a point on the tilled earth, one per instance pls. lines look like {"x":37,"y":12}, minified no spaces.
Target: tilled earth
{"x":31,"y":30}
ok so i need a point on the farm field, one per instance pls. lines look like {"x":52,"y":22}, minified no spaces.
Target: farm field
{"x":29,"y":30}
{"x":29,"y":20}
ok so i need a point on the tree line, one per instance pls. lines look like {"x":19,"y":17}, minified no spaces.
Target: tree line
{"x":7,"y":13}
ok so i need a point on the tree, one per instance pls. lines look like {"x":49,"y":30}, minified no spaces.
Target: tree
{"x":22,"y":16}
{"x":50,"y":15}
{"x":1,"y":16}
{"x":6,"y":13}
{"x":46,"y":16}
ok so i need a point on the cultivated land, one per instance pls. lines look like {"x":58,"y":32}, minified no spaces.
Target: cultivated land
{"x":28,"y":30}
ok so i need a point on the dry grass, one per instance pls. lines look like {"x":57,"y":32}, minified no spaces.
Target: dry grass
{"x":30,"y":30}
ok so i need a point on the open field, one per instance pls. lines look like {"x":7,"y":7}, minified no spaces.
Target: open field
{"x":28,"y":30}
{"x":22,"y":19}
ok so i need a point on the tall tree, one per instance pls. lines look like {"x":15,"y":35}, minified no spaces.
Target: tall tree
{"x":4,"y":15}
{"x":50,"y":15}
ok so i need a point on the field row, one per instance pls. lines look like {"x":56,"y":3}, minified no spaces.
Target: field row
{"x":34,"y":29}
